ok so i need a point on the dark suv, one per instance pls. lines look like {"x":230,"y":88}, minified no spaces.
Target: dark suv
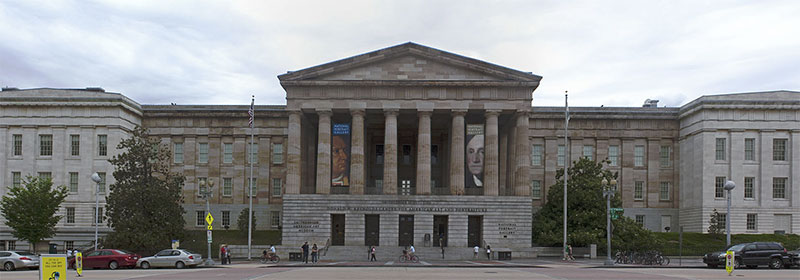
{"x":751,"y":255}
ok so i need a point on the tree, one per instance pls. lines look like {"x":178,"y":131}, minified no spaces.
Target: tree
{"x":586,"y":205}
{"x":145,"y":203}
{"x":242,"y":221}
{"x":714,"y":226}
{"x":30,"y":209}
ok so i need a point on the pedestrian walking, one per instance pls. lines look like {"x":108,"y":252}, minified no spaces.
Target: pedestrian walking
{"x":488,"y":252}
{"x":569,"y":253}
{"x":372,"y":254}
{"x":314,"y":252}
{"x":475,"y":252}
{"x":228,"y":254}
{"x":305,"y":252}
{"x":222,"y":255}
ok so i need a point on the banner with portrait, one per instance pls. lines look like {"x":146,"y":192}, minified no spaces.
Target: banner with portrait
{"x":474,"y":157}
{"x":340,"y":154}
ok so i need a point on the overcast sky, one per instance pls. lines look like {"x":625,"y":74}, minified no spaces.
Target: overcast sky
{"x":614,"y":53}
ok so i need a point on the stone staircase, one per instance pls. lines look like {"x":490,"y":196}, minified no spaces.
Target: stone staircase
{"x":392,"y":253}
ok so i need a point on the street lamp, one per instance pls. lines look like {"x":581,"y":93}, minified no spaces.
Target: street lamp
{"x":608,"y":192}
{"x":729,"y":185}
{"x":96,"y":178}
{"x":207,"y":195}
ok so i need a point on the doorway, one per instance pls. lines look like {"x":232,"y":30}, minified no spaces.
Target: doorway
{"x":406,"y":225}
{"x":372,"y":230}
{"x":474,"y":231}
{"x":337,"y":229}
{"x":439,"y":231}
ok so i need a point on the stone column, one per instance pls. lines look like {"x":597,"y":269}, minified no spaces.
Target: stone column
{"x":457,"y":153}
{"x":424,"y":154}
{"x":390,"y":153}
{"x":324,"y":152}
{"x":357,"y":153}
{"x":293,"y":153}
{"x":491,"y":150}
{"x":503,"y":160}
{"x":522,"y":181}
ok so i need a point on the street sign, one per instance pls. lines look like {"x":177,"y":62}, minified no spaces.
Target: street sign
{"x":52,"y":266}
{"x":208,"y":232}
{"x":615,"y":213}
{"x":209,"y":218}
{"x":729,"y":262}
{"x":79,"y":263}
{"x":209,"y":227}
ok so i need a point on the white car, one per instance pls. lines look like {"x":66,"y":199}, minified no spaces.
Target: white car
{"x":177,"y":258}
{"x":12,"y":260}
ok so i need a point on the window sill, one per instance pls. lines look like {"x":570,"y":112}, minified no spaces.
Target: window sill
{"x":780,"y":199}
{"x":639,"y":199}
{"x":749,"y":199}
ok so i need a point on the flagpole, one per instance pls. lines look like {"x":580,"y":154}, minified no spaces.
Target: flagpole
{"x":566,"y":167}
{"x":250,"y":183}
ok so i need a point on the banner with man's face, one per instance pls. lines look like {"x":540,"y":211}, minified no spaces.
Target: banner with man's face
{"x":340,"y":154}
{"x":474,"y":156}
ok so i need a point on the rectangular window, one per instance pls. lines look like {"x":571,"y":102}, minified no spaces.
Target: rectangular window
{"x":12,"y":245}
{"x":663,"y":193}
{"x":536,"y":154}
{"x":588,"y":151}
{"x":406,"y":154}
{"x":613,"y":155}
{"x":536,"y":189}
{"x":46,"y":145}
{"x":434,"y":154}
{"x":75,"y":145}
{"x":638,"y":156}
{"x":405,"y":187}
{"x":252,"y":153}
{"x":101,"y":188}
{"x":102,"y":145}
{"x":778,"y":149}
{"x":226,"y":218}
{"x":640,"y":219}
{"x":178,"y":152}
{"x":68,"y":245}
{"x":201,"y":186}
{"x":276,"y":218}
{"x":721,"y":220}
{"x":719,"y":187}
{"x":70,"y":215}
{"x":665,"y":156}
{"x":638,"y":190}
{"x":201,"y":218}
{"x":277,"y":153}
{"x":779,"y":187}
{"x":99,"y":217}
{"x":751,"y":221}
{"x":227,"y":186}
{"x":254,"y":187}
{"x":720,"y":149}
{"x":16,"y":179}
{"x":73,"y":182}
{"x":749,"y":149}
{"x":45,"y":176}
{"x":17,"y":144}
{"x":378,"y":154}
{"x":561,"y":155}
{"x":379,"y":184}
{"x":748,"y":186}
{"x":203,"y":153}
{"x":277,"y":186}
{"x":227,"y":150}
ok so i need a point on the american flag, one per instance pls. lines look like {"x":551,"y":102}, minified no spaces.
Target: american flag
{"x":251,"y":112}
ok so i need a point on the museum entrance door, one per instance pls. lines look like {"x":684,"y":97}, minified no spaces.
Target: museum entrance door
{"x":439,"y":230}
{"x":372,"y":230}
{"x":406,"y":236}
{"x":474,"y":230}
{"x":337,"y":229}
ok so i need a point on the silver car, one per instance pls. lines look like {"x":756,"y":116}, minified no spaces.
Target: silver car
{"x":177,"y":258}
{"x":12,"y":260}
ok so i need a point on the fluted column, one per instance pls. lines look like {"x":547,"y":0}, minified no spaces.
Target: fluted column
{"x":424,"y":153}
{"x":457,"y":153}
{"x":324,"y":152}
{"x":390,"y":153}
{"x":503,"y":160}
{"x":523,"y":151}
{"x":357,"y":153}
{"x":293,"y":153}
{"x":491,"y":150}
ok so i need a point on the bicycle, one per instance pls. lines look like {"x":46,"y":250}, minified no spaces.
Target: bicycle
{"x":273,"y":259}
{"x":409,"y":258}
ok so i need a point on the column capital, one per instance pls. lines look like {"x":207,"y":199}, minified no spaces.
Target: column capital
{"x":493,"y":112}
{"x":391,"y":112}
{"x":357,"y":112}
{"x":423,"y":112}
{"x":324,"y":112}
{"x":458,"y":112}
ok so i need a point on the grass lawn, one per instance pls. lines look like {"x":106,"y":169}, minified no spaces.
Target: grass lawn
{"x":698,"y":244}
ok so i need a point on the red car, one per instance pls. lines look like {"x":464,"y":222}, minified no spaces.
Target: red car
{"x":107,"y":258}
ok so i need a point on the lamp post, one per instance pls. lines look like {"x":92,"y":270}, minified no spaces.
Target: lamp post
{"x":729,"y":186}
{"x":96,"y":178}
{"x":608,"y":192}
{"x":207,"y":195}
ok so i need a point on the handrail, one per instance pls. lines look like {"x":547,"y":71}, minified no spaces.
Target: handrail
{"x":325,"y":249}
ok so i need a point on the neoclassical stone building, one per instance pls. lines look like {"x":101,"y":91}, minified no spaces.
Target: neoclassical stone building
{"x":411,"y":144}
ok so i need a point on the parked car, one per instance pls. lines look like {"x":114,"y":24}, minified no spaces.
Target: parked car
{"x":178,"y":258}
{"x":751,"y":255}
{"x":107,"y":258}
{"x":795,"y":256}
{"x":12,"y":260}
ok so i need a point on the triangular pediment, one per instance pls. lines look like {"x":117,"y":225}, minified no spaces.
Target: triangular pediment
{"x":409,"y":62}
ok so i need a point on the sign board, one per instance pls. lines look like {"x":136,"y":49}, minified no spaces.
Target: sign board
{"x":208,"y":232}
{"x":175,"y":244}
{"x":79,"y":263}
{"x":209,"y":219}
{"x":729,"y":262}
{"x":52,"y":267}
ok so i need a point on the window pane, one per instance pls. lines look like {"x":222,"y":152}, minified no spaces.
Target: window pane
{"x":665,"y":157}
{"x":201,"y":186}
{"x":102,"y":185}
{"x":226,"y":218}
{"x":201,"y":218}
{"x":640,"y":219}
{"x":254,"y":187}
{"x":227,"y":152}
{"x":536,"y":155}
{"x":379,"y":154}
{"x":638,"y":156}
{"x":588,"y":152}
{"x":227,"y":186}
{"x":561,"y":155}
{"x":70,"y":215}
{"x":102,"y":145}
{"x":779,"y":187}
{"x":613,"y":155}
{"x":749,"y":148}
{"x":277,"y":186}
{"x":75,"y":145}
{"x":720,"y":149}
{"x":252,"y":152}
{"x":45,"y":176}
{"x":748,"y":187}
{"x":17,"y":144}
{"x":664,"y":191}
{"x":178,"y":153}
{"x":751,"y":221}
{"x":719,"y":187}
{"x":203,"y":153}
{"x":276,"y":218}
{"x":638,"y":190}
{"x":45,"y":145}
{"x":73,"y":182}
{"x":16,"y":179}
{"x":277,"y":153}
{"x":779,"y":149}
{"x":536,"y":189}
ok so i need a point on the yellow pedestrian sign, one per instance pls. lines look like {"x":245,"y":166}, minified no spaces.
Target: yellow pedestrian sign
{"x":52,"y":267}
{"x":209,"y":219}
{"x":79,"y":263}
{"x":730,"y":259}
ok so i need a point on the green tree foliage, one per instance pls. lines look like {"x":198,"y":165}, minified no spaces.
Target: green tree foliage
{"x":30,"y":209}
{"x":714,"y":226}
{"x":586,"y":210}
{"x":145,"y":204}
{"x":242,"y":221}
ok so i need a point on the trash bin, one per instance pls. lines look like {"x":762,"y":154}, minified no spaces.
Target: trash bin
{"x":296,"y":256}
{"x":53,"y":249}
{"x":503,"y":255}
